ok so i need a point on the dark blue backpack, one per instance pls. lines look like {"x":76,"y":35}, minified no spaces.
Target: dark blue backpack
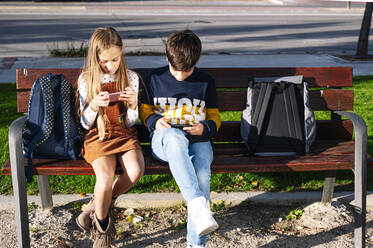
{"x":52,"y":129}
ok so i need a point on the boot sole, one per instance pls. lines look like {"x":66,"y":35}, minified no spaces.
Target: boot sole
{"x":209,"y":229}
{"x":80,"y":226}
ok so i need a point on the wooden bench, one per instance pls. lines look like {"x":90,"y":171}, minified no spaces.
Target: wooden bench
{"x":333,"y":149}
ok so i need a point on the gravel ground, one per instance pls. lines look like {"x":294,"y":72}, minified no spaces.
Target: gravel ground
{"x":246,"y":225}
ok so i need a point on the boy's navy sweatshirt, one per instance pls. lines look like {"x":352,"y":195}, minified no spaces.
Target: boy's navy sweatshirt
{"x":193,"y":99}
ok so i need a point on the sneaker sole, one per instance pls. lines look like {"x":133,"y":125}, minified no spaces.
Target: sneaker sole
{"x":209,"y":229}
{"x":80,"y":226}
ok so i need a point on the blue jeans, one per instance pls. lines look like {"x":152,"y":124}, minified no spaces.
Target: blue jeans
{"x":189,"y":165}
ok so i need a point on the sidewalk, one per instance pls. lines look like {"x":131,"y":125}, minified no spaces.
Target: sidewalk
{"x":161,"y":200}
{"x":8,"y":65}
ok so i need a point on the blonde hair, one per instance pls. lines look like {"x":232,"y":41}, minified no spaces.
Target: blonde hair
{"x":102,"y":39}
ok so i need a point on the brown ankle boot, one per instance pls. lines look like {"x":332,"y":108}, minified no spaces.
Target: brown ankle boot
{"x":83,"y":220}
{"x":102,"y":238}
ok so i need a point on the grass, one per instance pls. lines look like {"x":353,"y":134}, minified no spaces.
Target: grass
{"x":292,"y":181}
{"x":69,"y":51}
{"x":73,"y":50}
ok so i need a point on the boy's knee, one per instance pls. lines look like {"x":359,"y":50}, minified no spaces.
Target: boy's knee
{"x":203,"y":150}
{"x":205,"y":157}
{"x":204,"y":175}
{"x":174,"y":136}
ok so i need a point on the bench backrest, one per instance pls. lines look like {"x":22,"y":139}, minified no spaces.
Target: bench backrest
{"x":232,"y":84}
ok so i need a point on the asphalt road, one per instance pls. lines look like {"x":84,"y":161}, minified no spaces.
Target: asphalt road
{"x":31,"y":29}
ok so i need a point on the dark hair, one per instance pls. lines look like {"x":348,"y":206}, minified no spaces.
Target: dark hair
{"x":183,"y":50}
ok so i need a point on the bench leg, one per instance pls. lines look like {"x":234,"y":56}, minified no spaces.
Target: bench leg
{"x":360,"y":188}
{"x":45,"y":192}
{"x":360,"y":170}
{"x":328,"y":189}
{"x":19,"y":182}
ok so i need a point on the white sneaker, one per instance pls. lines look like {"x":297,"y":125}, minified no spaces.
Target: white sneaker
{"x":200,"y":212}
{"x":197,"y":246}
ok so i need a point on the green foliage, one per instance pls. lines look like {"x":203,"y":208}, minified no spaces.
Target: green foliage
{"x":8,"y":113}
{"x":32,"y":206}
{"x":289,"y":181}
{"x":179,"y":225}
{"x":220,"y":206}
{"x":73,"y":50}
{"x":295,"y":214}
{"x":69,"y":51}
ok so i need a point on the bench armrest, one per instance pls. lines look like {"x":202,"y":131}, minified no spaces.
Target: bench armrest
{"x":19,"y":181}
{"x":16,"y":152}
{"x":360,"y":171}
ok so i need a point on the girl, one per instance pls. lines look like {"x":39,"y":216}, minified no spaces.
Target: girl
{"x":111,"y":137}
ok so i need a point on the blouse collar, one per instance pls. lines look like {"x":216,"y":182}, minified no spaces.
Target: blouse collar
{"x":106,"y":78}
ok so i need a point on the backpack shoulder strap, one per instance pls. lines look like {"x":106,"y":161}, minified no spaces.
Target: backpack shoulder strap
{"x":47,"y":86}
{"x":266,"y":97}
{"x":66,"y":102}
{"x":260,"y":111}
{"x":292,"y":113}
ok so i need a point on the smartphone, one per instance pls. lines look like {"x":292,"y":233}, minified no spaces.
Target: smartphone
{"x":180,"y":126}
{"x":114,"y":97}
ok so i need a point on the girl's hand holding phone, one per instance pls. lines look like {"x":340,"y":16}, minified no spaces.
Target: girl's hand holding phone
{"x":129,"y":96}
{"x":100,"y":100}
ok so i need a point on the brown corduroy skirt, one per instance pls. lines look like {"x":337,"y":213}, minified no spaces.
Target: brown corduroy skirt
{"x":117,"y":140}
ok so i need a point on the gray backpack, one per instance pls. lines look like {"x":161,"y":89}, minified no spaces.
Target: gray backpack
{"x":278,"y":120}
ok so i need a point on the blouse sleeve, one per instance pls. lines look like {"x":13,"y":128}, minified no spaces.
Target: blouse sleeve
{"x":133,"y":114}
{"x":89,"y":116}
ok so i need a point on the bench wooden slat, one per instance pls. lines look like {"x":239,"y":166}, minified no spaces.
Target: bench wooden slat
{"x":315,"y":76}
{"x":236,"y":100}
{"x":326,"y":155}
{"x":319,"y":100}
{"x":27,"y":77}
{"x":234,"y":77}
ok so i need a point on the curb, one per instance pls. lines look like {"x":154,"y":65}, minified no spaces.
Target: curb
{"x":163,"y":200}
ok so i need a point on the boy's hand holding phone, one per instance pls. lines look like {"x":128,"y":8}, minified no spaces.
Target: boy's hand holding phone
{"x":195,"y":128}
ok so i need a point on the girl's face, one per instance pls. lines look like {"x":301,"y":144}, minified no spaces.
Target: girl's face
{"x":109,"y":59}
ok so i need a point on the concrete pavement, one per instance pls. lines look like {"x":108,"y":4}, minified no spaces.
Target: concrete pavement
{"x":181,"y":7}
{"x":225,"y":27}
{"x":159,"y":200}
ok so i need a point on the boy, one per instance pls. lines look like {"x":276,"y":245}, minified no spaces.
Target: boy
{"x":182,"y":115}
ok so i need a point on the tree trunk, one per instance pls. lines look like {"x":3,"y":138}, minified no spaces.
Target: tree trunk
{"x":362,"y":45}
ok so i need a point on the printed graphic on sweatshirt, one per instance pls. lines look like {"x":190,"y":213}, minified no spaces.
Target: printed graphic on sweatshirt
{"x":181,"y":111}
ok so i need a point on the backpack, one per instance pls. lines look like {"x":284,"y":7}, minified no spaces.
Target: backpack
{"x":52,"y":129}
{"x":278,"y":120}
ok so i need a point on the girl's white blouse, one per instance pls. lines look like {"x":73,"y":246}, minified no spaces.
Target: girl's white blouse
{"x":89,"y":116}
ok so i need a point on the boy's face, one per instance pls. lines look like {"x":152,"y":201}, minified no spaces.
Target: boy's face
{"x":109,"y":59}
{"x":180,"y":75}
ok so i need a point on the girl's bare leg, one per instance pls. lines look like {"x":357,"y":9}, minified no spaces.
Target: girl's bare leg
{"x":132,"y":163}
{"x":104,"y":168}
